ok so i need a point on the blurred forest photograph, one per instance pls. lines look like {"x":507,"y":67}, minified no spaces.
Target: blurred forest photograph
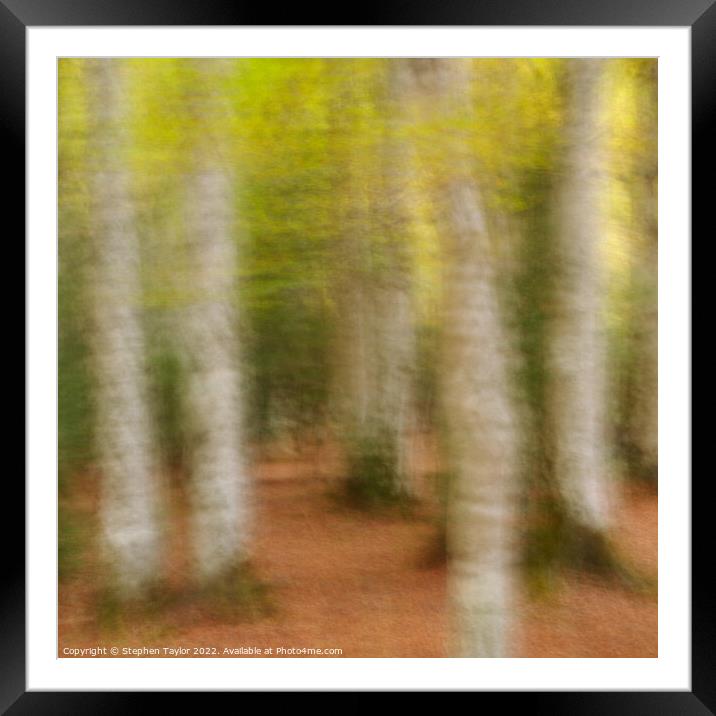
{"x":357,"y":357}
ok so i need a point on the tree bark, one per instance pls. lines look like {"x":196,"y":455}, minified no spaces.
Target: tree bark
{"x":477,"y":398}
{"x":376,"y":321}
{"x":482,"y":437}
{"x":220,"y":486}
{"x":578,"y":349}
{"x":129,"y":512}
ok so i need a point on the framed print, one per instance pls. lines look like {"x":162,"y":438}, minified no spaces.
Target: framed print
{"x":358,"y":355}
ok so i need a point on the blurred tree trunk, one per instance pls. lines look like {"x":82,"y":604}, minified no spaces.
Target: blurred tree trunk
{"x":129,"y":515}
{"x":376,"y":329}
{"x":220,"y":483}
{"x":393,"y":296}
{"x":578,"y":350}
{"x":355,"y":326}
{"x":477,"y":400}
{"x":481,"y":423}
{"x":645,"y":412}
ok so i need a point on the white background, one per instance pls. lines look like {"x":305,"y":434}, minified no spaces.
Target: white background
{"x":671,"y":670}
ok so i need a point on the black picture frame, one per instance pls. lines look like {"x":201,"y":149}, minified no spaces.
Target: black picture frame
{"x":17,"y":15}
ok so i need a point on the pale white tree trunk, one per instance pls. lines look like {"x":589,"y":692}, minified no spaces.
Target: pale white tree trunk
{"x":353,"y":378}
{"x":394,"y":382}
{"x":221,"y":494}
{"x":129,"y":512}
{"x":578,"y":350}
{"x":376,"y":371}
{"x":376,"y":321}
{"x":354,"y":328}
{"x":477,"y":399}
{"x":482,"y":436}
{"x":396,"y":295}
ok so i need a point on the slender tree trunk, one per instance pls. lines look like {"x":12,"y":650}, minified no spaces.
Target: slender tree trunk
{"x":129,"y":514}
{"x":393,"y":385}
{"x":376,"y":333}
{"x":481,"y":424}
{"x":355,"y":349}
{"x":477,"y":403}
{"x":577,"y":355}
{"x":220,"y":482}
{"x":395,"y":382}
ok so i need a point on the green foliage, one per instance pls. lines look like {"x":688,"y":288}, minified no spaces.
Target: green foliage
{"x":74,"y":393}
{"x":633,"y":295}
{"x":303,"y":135}
{"x":288,"y":363}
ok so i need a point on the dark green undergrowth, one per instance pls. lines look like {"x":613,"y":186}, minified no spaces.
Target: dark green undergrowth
{"x":373,"y":481}
{"x":435,"y":553}
{"x":558,"y":544}
{"x":72,"y":537}
{"x":167,"y":383}
{"x":238,"y":595}
{"x":595,"y":553}
{"x":117,"y":614}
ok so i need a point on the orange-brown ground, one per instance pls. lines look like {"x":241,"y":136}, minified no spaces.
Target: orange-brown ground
{"x":343,"y":579}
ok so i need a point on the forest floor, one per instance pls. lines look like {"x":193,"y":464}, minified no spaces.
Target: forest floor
{"x":338,"y":578}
